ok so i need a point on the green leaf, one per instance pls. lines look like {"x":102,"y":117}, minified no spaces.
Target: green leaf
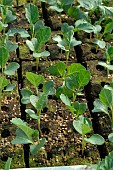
{"x":79,"y":107}
{"x":58,"y":69}
{"x":30,"y":45}
{"x":43,"y":35}
{"x":32,"y":114}
{"x":8,"y":164}
{"x":26,"y":93}
{"x":33,"y":100}
{"x":100,"y":43}
{"x":110,"y":67}
{"x":10,"y":16}
{"x":10,"y":87}
{"x":34,"y":79}
{"x":42,"y":54}
{"x":106,"y":97}
{"x":41,"y":103}
{"x":89,"y":4}
{"x":71,"y":82}
{"x":80,"y":127}
{"x":23,"y":126}
{"x":100,"y":107}
{"x":108,"y":28}
{"x":3,"y":82}
{"x":3,"y":57}
{"x":10,"y":46}
{"x":84,"y":26}
{"x":48,"y":88}
{"x":64,"y":90}
{"x":6,"y":2}
{"x":106,"y":11}
{"x":110,"y":137}
{"x":76,"y":13}
{"x":83,"y":78}
{"x":32,"y":13}
{"x":11,"y":68}
{"x":65,"y":100}
{"x":21,"y":138}
{"x":95,"y":139}
{"x":35,"y":148}
{"x":74,"y":68}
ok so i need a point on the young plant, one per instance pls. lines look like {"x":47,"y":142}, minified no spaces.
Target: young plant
{"x":74,"y":78}
{"x":108,"y":56}
{"x":36,"y":44}
{"x":7,"y":14}
{"x":39,"y":101}
{"x":68,"y":41}
{"x":84,"y":126}
{"x":27,"y":135}
{"x":8,"y":164}
{"x":105,"y":102}
{"x":6,"y":69}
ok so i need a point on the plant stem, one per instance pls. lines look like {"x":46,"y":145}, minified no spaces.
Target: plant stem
{"x":67,"y":57}
{"x":83,"y":144}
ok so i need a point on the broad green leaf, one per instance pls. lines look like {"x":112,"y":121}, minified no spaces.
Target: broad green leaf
{"x":3,"y":82}
{"x":10,"y":16}
{"x":84,"y":26}
{"x":32,"y":114}
{"x":110,"y":137}
{"x":26,"y":93}
{"x":76,"y":13}
{"x":83,"y":78}
{"x":23,"y":126}
{"x":79,"y":107}
{"x":61,"y":67}
{"x":80,"y":127}
{"x":58,"y":69}
{"x":100,"y":43}
{"x":35,"y":148}
{"x":100,"y":107}
{"x":10,"y":46}
{"x":6,"y":2}
{"x":8,"y":164}
{"x":106,"y":11}
{"x":65,"y":100}
{"x":21,"y":138}
{"x":64,"y":90}
{"x":42,"y":54}
{"x":105,"y":97}
{"x":3,"y":57}
{"x":75,"y":67}
{"x":33,"y":100}
{"x":71,"y":82}
{"x":41,"y":103}
{"x":10,"y":87}
{"x":89,"y":4}
{"x":30,"y":45}
{"x":108,"y":28}
{"x":34,"y":79}
{"x":48,"y":88}
{"x":11,"y":68}
{"x":32,"y":13}
{"x":23,"y":33}
{"x":65,"y":28}
{"x":43,"y":35}
{"x":95,"y":139}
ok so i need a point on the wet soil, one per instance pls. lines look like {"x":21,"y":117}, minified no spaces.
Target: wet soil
{"x":63,"y":143}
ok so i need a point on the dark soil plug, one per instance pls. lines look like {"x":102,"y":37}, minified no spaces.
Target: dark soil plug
{"x":99,"y":67}
{"x":45,"y":130}
{"x":4,"y":157}
{"x":49,"y":155}
{"x":94,"y":50}
{"x":5,"y":133}
{"x":5,"y":108}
